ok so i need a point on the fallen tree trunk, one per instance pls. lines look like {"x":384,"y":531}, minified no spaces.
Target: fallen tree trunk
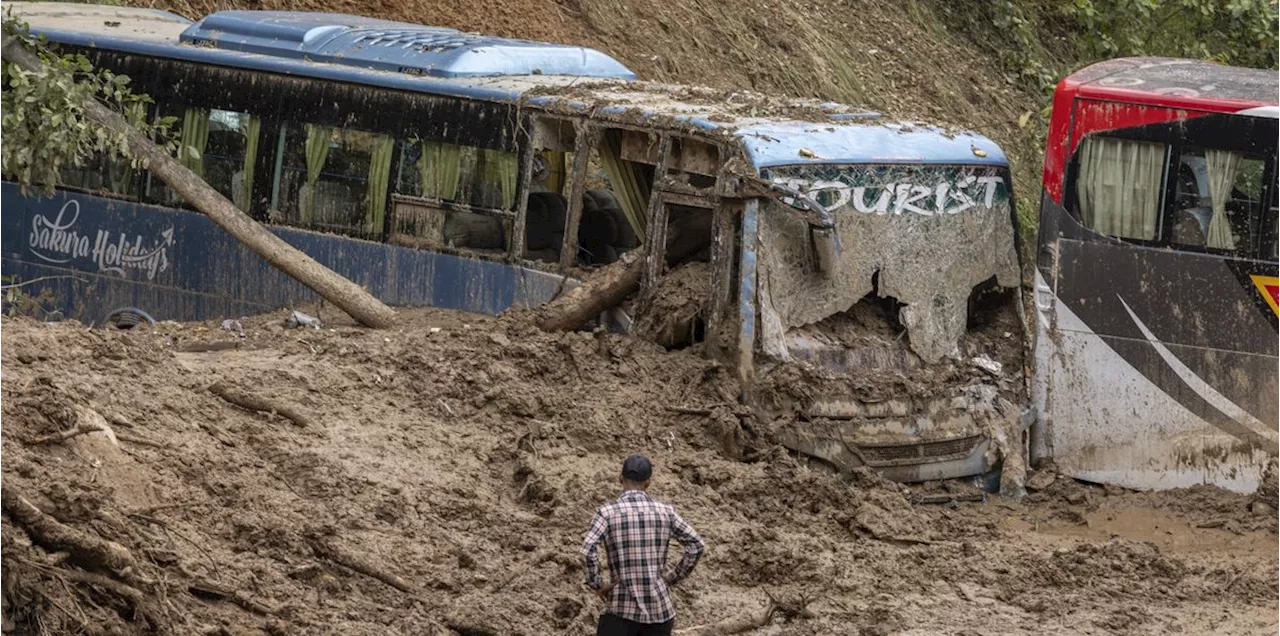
{"x":611,"y":284}
{"x":346,"y":295}
{"x":605,"y":289}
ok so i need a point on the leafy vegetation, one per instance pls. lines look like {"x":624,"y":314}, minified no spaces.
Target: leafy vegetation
{"x":44,"y":122}
{"x":1040,"y":41}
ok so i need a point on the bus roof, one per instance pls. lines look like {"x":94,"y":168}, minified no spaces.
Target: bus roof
{"x":354,"y":49}
{"x":1176,"y":83}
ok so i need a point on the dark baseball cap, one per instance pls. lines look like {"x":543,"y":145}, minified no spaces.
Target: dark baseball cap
{"x":637,"y":468}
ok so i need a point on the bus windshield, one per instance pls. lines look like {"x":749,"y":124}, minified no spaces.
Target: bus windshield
{"x":911,"y":333}
{"x":923,"y":235}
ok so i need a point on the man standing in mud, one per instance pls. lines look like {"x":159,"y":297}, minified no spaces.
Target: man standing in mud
{"x":637,"y":530}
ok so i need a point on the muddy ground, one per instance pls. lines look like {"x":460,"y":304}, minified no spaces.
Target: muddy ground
{"x":459,"y":458}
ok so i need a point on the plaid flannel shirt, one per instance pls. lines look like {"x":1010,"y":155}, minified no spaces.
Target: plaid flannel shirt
{"x":637,"y":531}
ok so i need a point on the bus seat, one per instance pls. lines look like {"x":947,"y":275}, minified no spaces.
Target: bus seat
{"x":1187,"y":230}
{"x":487,"y":195}
{"x":544,"y":221}
{"x":605,"y":201}
{"x":547,"y":255}
{"x":597,"y":233}
{"x":475,"y":231}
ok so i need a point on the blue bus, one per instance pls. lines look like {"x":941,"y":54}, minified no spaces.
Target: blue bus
{"x":859,"y":274}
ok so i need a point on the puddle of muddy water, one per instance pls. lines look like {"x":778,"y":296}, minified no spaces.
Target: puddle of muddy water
{"x":1167,"y":532}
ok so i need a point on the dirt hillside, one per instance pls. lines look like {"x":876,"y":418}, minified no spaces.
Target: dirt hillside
{"x":442,"y":475}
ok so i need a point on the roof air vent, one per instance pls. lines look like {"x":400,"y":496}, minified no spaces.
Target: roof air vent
{"x":394,"y":46}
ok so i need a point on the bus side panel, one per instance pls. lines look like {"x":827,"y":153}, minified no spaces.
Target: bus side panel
{"x":103,"y":254}
{"x":1161,"y":367}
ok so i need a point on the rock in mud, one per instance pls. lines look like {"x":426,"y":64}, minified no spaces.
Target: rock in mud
{"x":1041,"y":480}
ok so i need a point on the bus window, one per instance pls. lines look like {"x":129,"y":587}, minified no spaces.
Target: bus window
{"x":221,"y":147}
{"x":546,"y":211}
{"x":332,"y":179}
{"x":615,"y":196}
{"x":102,"y":175}
{"x":453,"y":196}
{"x":547,"y":207}
{"x":1217,"y":195}
{"x":1119,"y":184}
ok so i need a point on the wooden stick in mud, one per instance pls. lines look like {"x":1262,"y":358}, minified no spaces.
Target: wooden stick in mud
{"x":90,"y":421}
{"x":258,"y":403}
{"x":82,"y":428}
{"x":735,"y":625}
{"x":352,"y":562}
{"x":85,"y":550}
{"x":209,"y":588}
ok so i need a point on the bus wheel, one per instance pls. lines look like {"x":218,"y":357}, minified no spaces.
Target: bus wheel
{"x":129,"y":317}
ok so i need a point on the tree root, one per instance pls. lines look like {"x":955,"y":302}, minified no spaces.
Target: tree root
{"x":89,"y":552}
{"x":258,"y":403}
{"x":87,"y":421}
{"x":123,"y":590}
{"x":135,"y":598}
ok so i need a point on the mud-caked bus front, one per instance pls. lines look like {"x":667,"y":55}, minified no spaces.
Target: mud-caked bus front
{"x":893,"y":340}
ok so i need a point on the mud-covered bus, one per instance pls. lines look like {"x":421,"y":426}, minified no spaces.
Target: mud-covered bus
{"x":1155,"y":282}
{"x":857,"y":273}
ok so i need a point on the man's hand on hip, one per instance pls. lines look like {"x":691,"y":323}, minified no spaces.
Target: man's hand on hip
{"x":605,"y":591}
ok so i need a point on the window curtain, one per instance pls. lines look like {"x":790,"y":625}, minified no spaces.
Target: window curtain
{"x":1223,"y":167}
{"x":195,"y":137}
{"x":1119,"y":186}
{"x":631,"y":191}
{"x":252,"y":128}
{"x":122,"y":176}
{"x":555,"y":161}
{"x":500,"y":169}
{"x":317,"y":148}
{"x":439,"y":167}
{"x":380,"y":155}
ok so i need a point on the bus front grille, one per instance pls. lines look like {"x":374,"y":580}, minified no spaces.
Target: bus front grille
{"x":914,"y":453}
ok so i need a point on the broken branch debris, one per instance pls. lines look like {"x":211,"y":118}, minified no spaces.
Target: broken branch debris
{"x":249,"y":401}
{"x":352,"y":562}
{"x":734,"y":625}
{"x":206,"y":588}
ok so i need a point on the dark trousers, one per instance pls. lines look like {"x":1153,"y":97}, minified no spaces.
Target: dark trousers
{"x":614,"y":625}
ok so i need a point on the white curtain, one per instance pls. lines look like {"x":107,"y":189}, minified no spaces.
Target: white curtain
{"x":1119,"y":186}
{"x":1223,"y":166}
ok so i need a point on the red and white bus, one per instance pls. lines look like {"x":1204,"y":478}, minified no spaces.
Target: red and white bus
{"x":1155,"y":290}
